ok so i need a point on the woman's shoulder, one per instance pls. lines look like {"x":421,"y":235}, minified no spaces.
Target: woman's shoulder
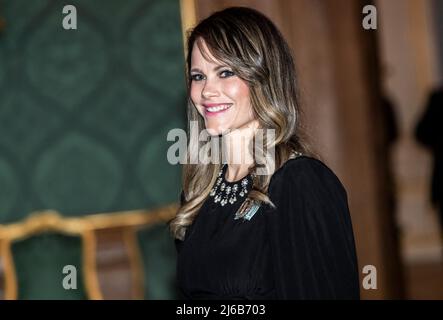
{"x":306,"y":188}
{"x":307,"y":172}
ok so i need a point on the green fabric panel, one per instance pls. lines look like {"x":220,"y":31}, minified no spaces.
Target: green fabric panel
{"x":84,"y":113}
{"x":39,"y":263}
{"x":159,"y":263}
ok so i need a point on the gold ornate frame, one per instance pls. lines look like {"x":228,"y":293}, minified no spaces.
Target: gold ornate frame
{"x":188,"y":17}
{"x":84,"y":227}
{"x":40,"y":222}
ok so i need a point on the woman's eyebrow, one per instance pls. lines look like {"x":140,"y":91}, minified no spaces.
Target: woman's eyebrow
{"x":215,"y":68}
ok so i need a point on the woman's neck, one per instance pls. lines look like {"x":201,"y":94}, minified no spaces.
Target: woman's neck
{"x":237,"y":152}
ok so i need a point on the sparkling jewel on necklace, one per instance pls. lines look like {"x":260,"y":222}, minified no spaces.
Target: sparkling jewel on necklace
{"x":224,"y":193}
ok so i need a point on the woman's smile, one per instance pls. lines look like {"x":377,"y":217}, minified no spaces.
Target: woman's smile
{"x":215,"y":109}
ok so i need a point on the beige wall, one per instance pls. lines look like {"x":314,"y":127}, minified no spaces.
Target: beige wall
{"x":408,"y":51}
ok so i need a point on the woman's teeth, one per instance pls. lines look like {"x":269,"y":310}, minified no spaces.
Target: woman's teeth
{"x":218,"y":108}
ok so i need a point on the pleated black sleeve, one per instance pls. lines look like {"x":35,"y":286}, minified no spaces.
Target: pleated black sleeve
{"x":310,"y":233}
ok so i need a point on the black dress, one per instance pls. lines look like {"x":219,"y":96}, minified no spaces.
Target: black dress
{"x":303,"y":249}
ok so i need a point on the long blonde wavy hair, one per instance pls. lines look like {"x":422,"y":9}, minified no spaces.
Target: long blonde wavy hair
{"x":250,"y":44}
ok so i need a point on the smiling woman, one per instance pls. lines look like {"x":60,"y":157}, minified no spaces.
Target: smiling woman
{"x":284,"y":234}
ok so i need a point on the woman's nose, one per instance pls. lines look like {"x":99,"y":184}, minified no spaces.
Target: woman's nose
{"x":210,"y":90}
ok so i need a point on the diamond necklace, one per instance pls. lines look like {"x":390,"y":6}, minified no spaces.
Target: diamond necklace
{"x":225,"y":192}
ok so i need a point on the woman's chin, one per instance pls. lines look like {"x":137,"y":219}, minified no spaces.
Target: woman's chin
{"x":215,"y":132}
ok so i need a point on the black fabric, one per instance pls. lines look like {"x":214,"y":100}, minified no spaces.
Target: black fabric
{"x":429,"y":132}
{"x":303,"y":249}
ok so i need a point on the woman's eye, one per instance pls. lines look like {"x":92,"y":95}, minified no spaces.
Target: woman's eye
{"x":196,"y":77}
{"x":226,"y":73}
{"x":223,"y":74}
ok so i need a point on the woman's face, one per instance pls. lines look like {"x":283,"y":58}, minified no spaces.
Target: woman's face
{"x":220,"y":96}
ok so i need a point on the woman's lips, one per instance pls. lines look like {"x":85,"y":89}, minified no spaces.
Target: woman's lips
{"x":216,"y":108}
